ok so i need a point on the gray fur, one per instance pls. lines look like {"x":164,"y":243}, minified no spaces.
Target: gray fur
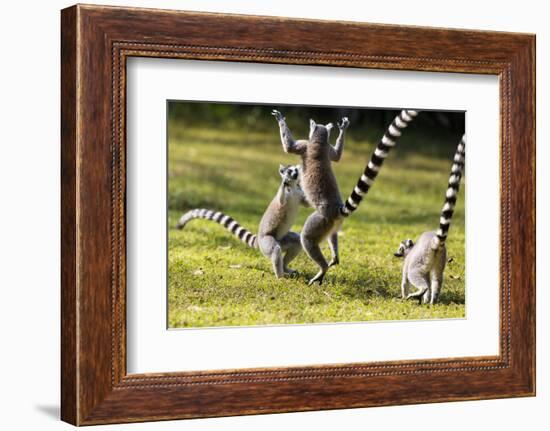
{"x":275,"y":240}
{"x":320,"y":188}
{"x":425,"y":261}
{"x":422,"y":268}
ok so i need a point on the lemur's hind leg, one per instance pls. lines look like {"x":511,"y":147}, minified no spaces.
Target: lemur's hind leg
{"x":333,"y":244}
{"x":315,"y":229}
{"x":292,"y":246}
{"x":437,"y":283}
{"x":426,"y":297}
{"x":436,"y":276}
{"x":404,"y":286}
{"x":271,"y":249}
{"x":421,"y":282}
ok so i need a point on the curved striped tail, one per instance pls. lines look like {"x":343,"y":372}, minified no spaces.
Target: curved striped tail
{"x":382,"y":150}
{"x":451,"y":195}
{"x":226,"y":221}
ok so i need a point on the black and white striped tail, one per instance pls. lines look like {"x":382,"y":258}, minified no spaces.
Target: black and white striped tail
{"x":226,"y":221}
{"x":382,"y":150}
{"x":451,"y":194}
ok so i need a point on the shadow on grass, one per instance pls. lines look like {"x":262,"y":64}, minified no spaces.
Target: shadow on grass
{"x":448,"y":297}
{"x":362,"y":289}
{"x":369,"y":287}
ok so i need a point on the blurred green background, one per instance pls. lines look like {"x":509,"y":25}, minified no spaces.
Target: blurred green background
{"x":225,"y":157}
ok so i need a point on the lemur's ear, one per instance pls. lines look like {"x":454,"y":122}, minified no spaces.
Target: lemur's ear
{"x":329,"y":126}
{"x":312,"y":124}
{"x":281,"y":169}
{"x":400,"y":250}
{"x":409,"y":243}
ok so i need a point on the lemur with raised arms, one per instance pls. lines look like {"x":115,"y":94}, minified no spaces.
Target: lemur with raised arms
{"x":274,"y":239}
{"x":320,"y":186}
{"x":425,"y":260}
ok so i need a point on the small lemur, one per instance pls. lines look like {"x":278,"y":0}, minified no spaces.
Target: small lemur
{"x":274,"y":236}
{"x":320,"y":186}
{"x":425,"y":261}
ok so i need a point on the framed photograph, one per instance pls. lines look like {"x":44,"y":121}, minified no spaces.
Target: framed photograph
{"x":267,"y":215}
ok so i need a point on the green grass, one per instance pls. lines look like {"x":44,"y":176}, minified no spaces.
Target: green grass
{"x":215,"y":280}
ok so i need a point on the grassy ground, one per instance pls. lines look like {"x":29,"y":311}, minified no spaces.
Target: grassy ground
{"x":215,"y":280}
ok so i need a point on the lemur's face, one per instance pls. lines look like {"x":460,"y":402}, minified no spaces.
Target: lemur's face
{"x":404,"y":248}
{"x":290,"y":174}
{"x":319,"y":132}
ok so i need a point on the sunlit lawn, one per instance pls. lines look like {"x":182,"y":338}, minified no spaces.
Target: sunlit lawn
{"x":215,"y":280}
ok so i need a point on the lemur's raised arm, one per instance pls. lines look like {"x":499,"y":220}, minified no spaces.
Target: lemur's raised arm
{"x":289,"y":144}
{"x":335,"y":153}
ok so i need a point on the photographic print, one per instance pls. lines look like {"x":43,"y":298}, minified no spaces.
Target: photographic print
{"x":306,"y":214}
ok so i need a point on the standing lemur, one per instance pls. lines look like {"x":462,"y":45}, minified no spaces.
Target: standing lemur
{"x":274,"y":235}
{"x":320,"y":186}
{"x":425,"y":261}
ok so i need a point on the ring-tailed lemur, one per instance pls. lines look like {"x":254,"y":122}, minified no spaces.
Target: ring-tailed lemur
{"x":275,"y":239}
{"x":425,"y":261}
{"x":320,"y":186}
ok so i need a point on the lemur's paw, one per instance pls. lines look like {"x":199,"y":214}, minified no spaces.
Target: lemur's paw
{"x":291,"y":272}
{"x":334,"y":261}
{"x":410,"y":296}
{"x":413,"y":296}
{"x":317,"y":279}
{"x":278,"y":116}
{"x":344,"y":123}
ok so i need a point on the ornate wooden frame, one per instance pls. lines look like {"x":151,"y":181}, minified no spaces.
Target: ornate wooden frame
{"x":95,"y":43}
